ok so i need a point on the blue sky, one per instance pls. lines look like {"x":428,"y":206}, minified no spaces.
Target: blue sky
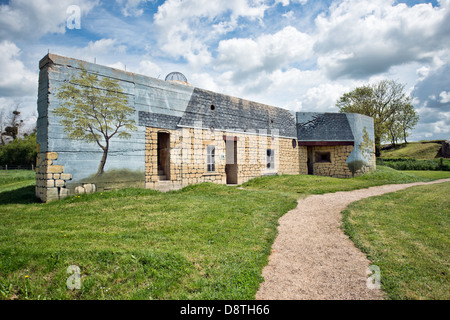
{"x":297,"y":54}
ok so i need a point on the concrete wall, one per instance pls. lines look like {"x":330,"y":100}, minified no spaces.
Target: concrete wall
{"x":81,"y":159}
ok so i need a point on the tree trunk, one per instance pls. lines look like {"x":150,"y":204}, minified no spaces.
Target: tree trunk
{"x":377,"y":147}
{"x":101,"y":167}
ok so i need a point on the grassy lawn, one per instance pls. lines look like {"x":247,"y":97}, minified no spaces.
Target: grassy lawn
{"x":304,"y":185}
{"x":416,"y":150}
{"x":405,"y":234}
{"x":203,"y":242}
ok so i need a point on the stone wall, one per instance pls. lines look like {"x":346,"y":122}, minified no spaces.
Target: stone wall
{"x":188,"y":157}
{"x":303,"y":159}
{"x":51,"y":180}
{"x":337,"y":166}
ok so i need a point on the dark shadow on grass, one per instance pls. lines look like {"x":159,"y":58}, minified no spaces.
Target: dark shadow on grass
{"x":23,"y":195}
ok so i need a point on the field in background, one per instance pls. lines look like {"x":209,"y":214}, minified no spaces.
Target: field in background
{"x":423,"y":150}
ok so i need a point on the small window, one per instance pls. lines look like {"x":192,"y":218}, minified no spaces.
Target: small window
{"x":213,"y":107}
{"x":294,"y":143}
{"x":211,"y":158}
{"x":323,"y":157}
{"x":270,"y":159}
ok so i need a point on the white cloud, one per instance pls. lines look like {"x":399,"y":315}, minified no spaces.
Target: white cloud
{"x":102,"y":47}
{"x":445,"y":96}
{"x":266,"y":53}
{"x":184,"y":28}
{"x":148,"y":68}
{"x":24,"y":19}
{"x":357,"y":39}
{"x":131,"y":8}
{"x":15,"y":79}
{"x":288,"y":2}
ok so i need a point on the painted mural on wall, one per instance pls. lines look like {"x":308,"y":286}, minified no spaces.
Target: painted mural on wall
{"x":95,"y":111}
{"x":362,"y":157}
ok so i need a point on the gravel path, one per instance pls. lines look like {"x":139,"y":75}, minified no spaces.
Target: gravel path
{"x":313,"y":259}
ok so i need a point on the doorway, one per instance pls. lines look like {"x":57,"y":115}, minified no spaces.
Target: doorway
{"x":231,"y":166}
{"x":310,"y":161}
{"x":163,"y":156}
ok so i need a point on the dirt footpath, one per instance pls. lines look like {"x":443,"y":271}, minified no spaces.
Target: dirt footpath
{"x":313,"y":259}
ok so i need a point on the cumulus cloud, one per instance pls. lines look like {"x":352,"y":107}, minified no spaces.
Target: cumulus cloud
{"x":432,"y":91}
{"x":15,"y":79}
{"x":186,"y":27}
{"x":432,"y":101}
{"x":288,"y":2}
{"x":102,"y":47}
{"x":267,"y":53}
{"x":24,"y":19}
{"x":149,"y":68}
{"x":357,"y":39}
{"x":445,"y":96}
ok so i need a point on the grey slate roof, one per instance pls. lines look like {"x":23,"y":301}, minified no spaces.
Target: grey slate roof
{"x":236,"y":115}
{"x":157,"y":120}
{"x":314,"y":126}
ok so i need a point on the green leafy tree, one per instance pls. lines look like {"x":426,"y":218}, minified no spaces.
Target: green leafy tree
{"x":94,"y":110}
{"x":20,"y":152}
{"x":382,"y":101}
{"x":407,"y":120}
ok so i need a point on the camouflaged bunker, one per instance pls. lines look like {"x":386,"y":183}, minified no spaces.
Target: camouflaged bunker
{"x":179,"y":135}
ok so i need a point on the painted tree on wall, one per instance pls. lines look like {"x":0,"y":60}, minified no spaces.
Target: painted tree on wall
{"x":94,"y":111}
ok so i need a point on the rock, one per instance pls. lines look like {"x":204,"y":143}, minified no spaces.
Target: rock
{"x":79,"y":190}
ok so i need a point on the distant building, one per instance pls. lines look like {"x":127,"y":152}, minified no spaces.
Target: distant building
{"x":187,"y":135}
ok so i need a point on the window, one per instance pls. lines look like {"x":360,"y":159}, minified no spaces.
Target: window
{"x":211,"y":158}
{"x":270,"y":159}
{"x":323,"y":157}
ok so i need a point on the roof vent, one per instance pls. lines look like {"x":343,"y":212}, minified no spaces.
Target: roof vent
{"x":177,"y":77}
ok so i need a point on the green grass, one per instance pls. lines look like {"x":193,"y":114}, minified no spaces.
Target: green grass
{"x":423,"y":150}
{"x":205,"y":241}
{"x":13,"y":179}
{"x":305,"y":185}
{"x":405,"y":234}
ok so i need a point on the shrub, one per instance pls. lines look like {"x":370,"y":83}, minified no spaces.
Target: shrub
{"x":21,"y":152}
{"x":439,"y":164}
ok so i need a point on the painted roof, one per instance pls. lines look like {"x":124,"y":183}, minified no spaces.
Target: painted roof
{"x":313,"y":126}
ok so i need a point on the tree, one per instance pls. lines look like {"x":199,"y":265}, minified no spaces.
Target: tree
{"x":19,"y":152}
{"x":383,"y":101}
{"x":11,"y":127}
{"x":94,"y":110}
{"x":407,"y":120}
{"x":2,"y":133}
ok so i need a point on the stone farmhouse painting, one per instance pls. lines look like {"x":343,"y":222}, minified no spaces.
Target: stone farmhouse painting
{"x":167,"y":134}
